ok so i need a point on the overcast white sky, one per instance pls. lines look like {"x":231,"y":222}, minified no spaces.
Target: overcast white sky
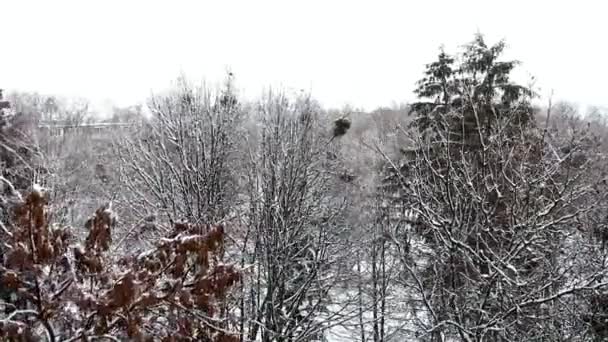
{"x":362,"y":53}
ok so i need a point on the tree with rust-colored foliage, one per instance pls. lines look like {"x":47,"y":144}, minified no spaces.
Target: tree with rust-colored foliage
{"x":62,"y":291}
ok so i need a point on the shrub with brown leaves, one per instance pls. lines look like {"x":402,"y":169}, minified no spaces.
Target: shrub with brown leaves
{"x":68,"y":292}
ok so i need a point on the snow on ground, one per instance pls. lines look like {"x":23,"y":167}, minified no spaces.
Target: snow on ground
{"x":403,"y":312}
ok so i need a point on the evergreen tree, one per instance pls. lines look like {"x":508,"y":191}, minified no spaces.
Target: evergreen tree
{"x":494,"y":205}
{"x":464,"y":96}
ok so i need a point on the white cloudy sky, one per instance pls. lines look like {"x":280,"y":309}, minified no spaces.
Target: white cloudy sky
{"x":362,"y":53}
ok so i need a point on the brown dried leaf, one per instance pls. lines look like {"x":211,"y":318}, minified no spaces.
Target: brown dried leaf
{"x":123,"y":292}
{"x":10,"y":279}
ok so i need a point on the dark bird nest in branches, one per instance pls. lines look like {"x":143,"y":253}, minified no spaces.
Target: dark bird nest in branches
{"x":341,"y":126}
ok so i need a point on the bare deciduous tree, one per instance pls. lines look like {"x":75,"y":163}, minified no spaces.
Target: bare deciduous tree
{"x":181,"y":162}
{"x":503,"y":229}
{"x":295,"y":213}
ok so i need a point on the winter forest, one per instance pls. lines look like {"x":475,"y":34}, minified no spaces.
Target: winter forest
{"x":475,"y":213}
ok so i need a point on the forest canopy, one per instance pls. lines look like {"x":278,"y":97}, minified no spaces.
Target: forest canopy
{"x":471,"y":214}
